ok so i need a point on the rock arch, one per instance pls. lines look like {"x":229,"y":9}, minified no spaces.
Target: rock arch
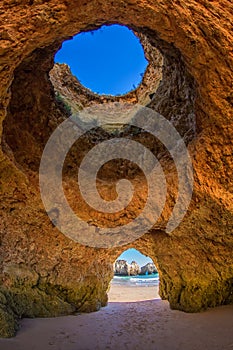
{"x":42,"y":272}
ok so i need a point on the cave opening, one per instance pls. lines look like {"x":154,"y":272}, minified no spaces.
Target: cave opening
{"x":136,"y":278}
{"x":44,"y":93}
{"x":109,"y":60}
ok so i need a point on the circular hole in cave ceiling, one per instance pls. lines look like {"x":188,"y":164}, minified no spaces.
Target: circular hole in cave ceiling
{"x":109,"y":60}
{"x":167,"y":88}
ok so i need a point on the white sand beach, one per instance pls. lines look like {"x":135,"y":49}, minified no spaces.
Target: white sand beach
{"x":134,"y":319}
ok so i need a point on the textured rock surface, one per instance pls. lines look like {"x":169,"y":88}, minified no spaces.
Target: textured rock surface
{"x":42,"y":272}
{"x":134,"y":268}
{"x":148,"y":269}
{"x":122,"y":268}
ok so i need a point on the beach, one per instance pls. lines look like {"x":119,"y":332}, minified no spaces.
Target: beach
{"x":135,"y":318}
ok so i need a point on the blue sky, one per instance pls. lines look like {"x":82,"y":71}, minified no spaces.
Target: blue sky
{"x":109,"y":60}
{"x":133,"y":254}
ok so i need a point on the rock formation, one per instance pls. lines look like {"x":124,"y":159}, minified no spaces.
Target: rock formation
{"x":134,"y":268}
{"x":148,"y":269}
{"x":44,"y":273}
{"x":123,"y":268}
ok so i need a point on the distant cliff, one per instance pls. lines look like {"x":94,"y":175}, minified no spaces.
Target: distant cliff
{"x":123,"y":268}
{"x":148,"y":269}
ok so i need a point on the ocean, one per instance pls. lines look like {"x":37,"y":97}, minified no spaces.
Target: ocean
{"x":140,"y":280}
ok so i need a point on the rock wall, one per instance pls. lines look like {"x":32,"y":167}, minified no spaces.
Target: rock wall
{"x":42,"y":272}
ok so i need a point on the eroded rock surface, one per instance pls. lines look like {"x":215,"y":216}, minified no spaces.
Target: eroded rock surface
{"x":123,"y":268}
{"x":44,"y":273}
{"x":148,"y":269}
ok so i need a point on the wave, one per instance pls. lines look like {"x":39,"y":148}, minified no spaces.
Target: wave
{"x":143,"y":280}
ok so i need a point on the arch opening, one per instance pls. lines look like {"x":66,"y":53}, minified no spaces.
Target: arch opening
{"x":136,"y":278}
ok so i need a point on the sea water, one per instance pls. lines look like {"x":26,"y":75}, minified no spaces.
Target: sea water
{"x":139,"y":280}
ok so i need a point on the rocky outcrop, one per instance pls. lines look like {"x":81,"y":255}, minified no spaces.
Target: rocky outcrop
{"x":134,"y":268}
{"x":44,"y":273}
{"x":123,"y":268}
{"x":148,"y":269}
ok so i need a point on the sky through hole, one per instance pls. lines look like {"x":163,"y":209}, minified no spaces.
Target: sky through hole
{"x":109,"y":60}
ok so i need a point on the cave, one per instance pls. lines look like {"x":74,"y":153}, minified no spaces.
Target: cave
{"x":44,"y":273}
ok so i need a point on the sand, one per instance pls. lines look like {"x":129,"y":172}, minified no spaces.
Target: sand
{"x":134,"y":319}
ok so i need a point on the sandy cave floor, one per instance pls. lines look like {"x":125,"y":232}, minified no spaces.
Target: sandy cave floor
{"x":129,"y":322}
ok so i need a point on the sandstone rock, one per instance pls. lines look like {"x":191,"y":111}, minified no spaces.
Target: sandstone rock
{"x":123,"y":268}
{"x":148,"y":269}
{"x":134,"y":268}
{"x":195,"y":94}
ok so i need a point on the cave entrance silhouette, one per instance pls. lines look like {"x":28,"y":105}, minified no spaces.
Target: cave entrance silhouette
{"x":136,"y":278}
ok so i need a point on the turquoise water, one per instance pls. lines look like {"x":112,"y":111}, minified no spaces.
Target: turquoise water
{"x":140,"y":280}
